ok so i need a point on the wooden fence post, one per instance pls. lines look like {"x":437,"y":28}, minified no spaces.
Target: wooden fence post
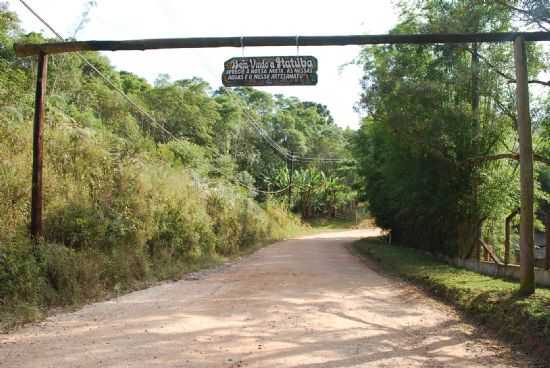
{"x":37,"y":153}
{"x":479,"y":235}
{"x":508,"y":231}
{"x":527,"y":264}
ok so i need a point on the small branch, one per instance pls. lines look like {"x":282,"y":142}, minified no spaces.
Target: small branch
{"x":507,"y":156}
{"x":509,"y":113}
{"x":540,"y":158}
{"x":490,"y":65}
{"x":533,"y":81}
{"x":500,"y":156}
{"x":538,"y":20}
{"x":508,"y":77}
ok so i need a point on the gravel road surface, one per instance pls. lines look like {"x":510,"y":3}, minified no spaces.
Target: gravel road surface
{"x":305,"y":302}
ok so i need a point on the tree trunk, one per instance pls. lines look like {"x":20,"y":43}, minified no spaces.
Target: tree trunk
{"x":468,"y":234}
{"x":475,"y":83}
{"x":527,"y":261}
{"x":547,"y":241}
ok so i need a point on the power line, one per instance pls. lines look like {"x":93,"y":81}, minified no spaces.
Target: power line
{"x":272,"y":143}
{"x":139,"y":108}
{"x":102,"y":75}
{"x":250,"y":120}
{"x":314,"y":159}
{"x":252,"y":189}
{"x":264,"y":134}
{"x":128,"y":99}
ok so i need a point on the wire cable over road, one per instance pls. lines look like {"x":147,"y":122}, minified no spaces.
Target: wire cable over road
{"x":96,"y":70}
{"x":151,"y":118}
{"x":248,"y":118}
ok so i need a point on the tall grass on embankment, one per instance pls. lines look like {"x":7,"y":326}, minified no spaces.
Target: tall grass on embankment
{"x":491,"y":301}
{"x":118,"y":216}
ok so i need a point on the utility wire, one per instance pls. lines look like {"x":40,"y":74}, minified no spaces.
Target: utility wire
{"x":129,"y":100}
{"x":275,"y":145}
{"x":334,"y":160}
{"x":250,"y":119}
{"x":264,"y":134}
{"x":102,"y":75}
{"x":135,"y":105}
{"x":252,"y":189}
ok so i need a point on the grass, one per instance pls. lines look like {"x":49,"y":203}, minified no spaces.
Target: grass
{"x":492,"y":301}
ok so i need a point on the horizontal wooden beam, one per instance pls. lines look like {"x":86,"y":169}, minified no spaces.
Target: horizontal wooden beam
{"x":212,"y":42}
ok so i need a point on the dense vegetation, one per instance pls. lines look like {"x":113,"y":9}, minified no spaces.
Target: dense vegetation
{"x":489,"y":300}
{"x":436,"y":117}
{"x":136,"y":196}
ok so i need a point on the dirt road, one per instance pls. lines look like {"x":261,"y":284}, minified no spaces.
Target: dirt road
{"x":305,"y":302}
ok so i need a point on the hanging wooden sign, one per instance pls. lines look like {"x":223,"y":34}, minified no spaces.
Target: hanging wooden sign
{"x":270,"y":71}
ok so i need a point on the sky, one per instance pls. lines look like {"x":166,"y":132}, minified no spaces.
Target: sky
{"x":338,"y":85}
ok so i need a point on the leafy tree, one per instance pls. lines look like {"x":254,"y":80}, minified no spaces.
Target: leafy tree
{"x":435,"y":116}
{"x":531,"y":12}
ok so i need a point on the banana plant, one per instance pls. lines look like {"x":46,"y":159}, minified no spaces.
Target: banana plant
{"x":308,"y":184}
{"x":314,"y":192}
{"x":331,"y":187}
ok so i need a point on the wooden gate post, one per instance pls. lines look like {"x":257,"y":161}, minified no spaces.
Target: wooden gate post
{"x":527,"y":264}
{"x":37,"y":155}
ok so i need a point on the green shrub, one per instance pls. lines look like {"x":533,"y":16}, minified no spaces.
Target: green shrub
{"x":181,"y":231}
{"x":15,"y":174}
{"x":19,"y":274}
{"x":225,"y":222}
{"x":70,"y":276}
{"x":113,"y":220}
